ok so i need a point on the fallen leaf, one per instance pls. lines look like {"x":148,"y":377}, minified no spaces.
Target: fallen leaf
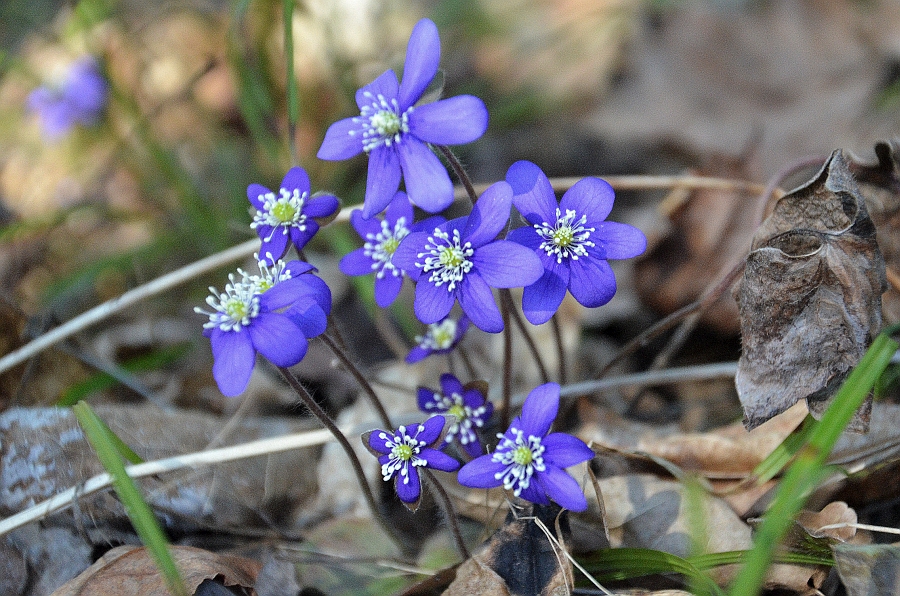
{"x":869,"y":570}
{"x":127,"y":570}
{"x":810,"y":298}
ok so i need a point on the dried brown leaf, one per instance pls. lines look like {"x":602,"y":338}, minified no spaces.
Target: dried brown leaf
{"x":810,"y":299}
{"x":870,"y":570}
{"x":128,"y":570}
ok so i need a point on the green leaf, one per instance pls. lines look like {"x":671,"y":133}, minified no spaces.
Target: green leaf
{"x":625,"y":563}
{"x":140,"y":514}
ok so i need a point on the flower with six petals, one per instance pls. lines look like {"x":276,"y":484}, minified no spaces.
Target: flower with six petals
{"x":466,"y":406}
{"x":571,"y":238}
{"x":396,"y":133}
{"x":530,"y":462}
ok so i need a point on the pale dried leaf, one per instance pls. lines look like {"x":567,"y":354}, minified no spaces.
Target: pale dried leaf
{"x":868,"y":570}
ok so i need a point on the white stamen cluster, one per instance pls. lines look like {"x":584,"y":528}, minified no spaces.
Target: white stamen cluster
{"x":282,"y":212}
{"x":567,"y":238}
{"x":381,"y":247}
{"x":440,"y":336}
{"x":382,"y":124}
{"x":404,"y":453}
{"x":464,"y":417}
{"x":239,"y":303}
{"x":446,"y":258}
{"x":521,"y":457}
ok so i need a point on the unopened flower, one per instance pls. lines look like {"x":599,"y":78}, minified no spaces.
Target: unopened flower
{"x":403,"y":451}
{"x":462,"y":260}
{"x":440,"y":338}
{"x":572,"y":239}
{"x":78,"y":99}
{"x":466,"y":407}
{"x":530,"y":462}
{"x":288,"y":214}
{"x":382,"y":237}
{"x":272,"y":313}
{"x":395,"y":132}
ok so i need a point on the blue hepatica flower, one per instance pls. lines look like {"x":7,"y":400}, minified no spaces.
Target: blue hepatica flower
{"x":403,"y":451}
{"x":462,"y":260}
{"x":572,"y":239}
{"x":440,"y":338}
{"x":466,"y":406}
{"x":395,"y":132}
{"x":382,"y":237}
{"x":272,"y":313}
{"x":530,"y":462}
{"x":79,"y":99}
{"x":288,"y":214}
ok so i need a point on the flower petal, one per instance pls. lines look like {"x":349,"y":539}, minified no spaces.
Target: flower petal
{"x":489,"y":215}
{"x":296,"y":179}
{"x":233,"y":360}
{"x":539,"y":410}
{"x":300,"y":237}
{"x":387,"y":288}
{"x":564,"y":451}
{"x":321,"y":206}
{"x":407,"y":253}
{"x":408,"y":487}
{"x":477,"y":301}
{"x":254,"y":193}
{"x":426,"y":401}
{"x":427,"y":182}
{"x":450,"y":385}
{"x":274,"y":243}
{"x":535,"y":492}
{"x":439,"y":460}
{"x":541,"y":300}
{"x":382,"y":180}
{"x":385,"y":85}
{"x":618,"y":240}
{"x":505,"y":264}
{"x":277,"y":338}
{"x":378,"y":440}
{"x":343,"y":140}
{"x":474,"y":448}
{"x":562,"y":488}
{"x":430,"y":430}
{"x":591,"y":281}
{"x":422,"y":56}
{"x":475,"y":399}
{"x":532,"y":192}
{"x":364,"y":226}
{"x":592,"y":197}
{"x":432,"y":302}
{"x":311,"y":319}
{"x":452,"y":121}
{"x":356,"y":263}
{"x":399,"y":207}
{"x":480,"y":473}
{"x":416,"y":354}
{"x":526,"y":236}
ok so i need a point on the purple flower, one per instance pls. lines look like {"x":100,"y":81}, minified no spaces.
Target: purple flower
{"x":462,"y":260}
{"x":440,"y":338}
{"x":531,"y":462}
{"x":382,"y":237}
{"x":395,"y":133}
{"x":289,"y":213}
{"x":78,"y":100}
{"x":401,"y":452}
{"x":467,"y":407}
{"x":571,"y":238}
{"x":272,"y":313}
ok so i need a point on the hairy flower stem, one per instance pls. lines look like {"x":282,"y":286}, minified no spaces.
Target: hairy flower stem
{"x":506,"y":296}
{"x":360,"y":379}
{"x":507,"y":366}
{"x":560,"y":347}
{"x":449,"y":512}
{"x":460,"y":172}
{"x":329,"y":424}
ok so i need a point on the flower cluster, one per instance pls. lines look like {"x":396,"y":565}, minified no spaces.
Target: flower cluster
{"x":78,"y":99}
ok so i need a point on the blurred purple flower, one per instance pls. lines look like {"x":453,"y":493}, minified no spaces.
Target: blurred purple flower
{"x":382,"y":237}
{"x":272,"y":313}
{"x":440,"y":338}
{"x":79,"y":99}
{"x":395,"y":133}
{"x":402,"y":451}
{"x":571,"y":238}
{"x":467,"y":408}
{"x":288,"y":214}
{"x":462,"y":260}
{"x":531,"y":462}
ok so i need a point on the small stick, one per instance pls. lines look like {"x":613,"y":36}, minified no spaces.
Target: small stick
{"x":360,"y":379}
{"x":449,"y":512}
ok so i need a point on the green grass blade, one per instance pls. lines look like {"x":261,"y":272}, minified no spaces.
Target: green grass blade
{"x":808,"y":467}
{"x":140,"y":514}
{"x":624,"y":563}
{"x":710,"y":560}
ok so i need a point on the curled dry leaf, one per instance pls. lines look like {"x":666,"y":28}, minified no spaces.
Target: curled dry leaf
{"x":810,"y":299}
{"x":128,"y":570}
